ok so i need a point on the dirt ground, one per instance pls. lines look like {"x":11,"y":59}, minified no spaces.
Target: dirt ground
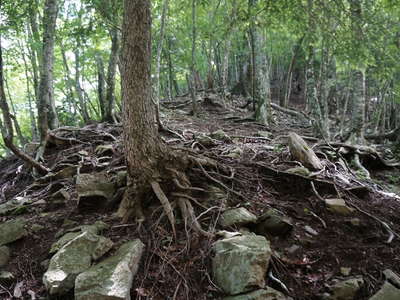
{"x":181,"y":268}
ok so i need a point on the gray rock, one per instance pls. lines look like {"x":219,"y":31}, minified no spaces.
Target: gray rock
{"x":273,"y":222}
{"x":387,"y":292}
{"x":72,"y":259}
{"x":220,"y":135}
{"x":266,"y":134}
{"x":266,"y":294}
{"x":338,"y":206}
{"x":111,"y":278}
{"x":240,"y":263}
{"x":206,"y":141}
{"x":13,"y":205}
{"x":94,"y":189}
{"x":310,"y":230}
{"x":4,"y":255}
{"x":12,"y":230}
{"x":6,"y":276}
{"x":392,"y":277}
{"x":347,"y":289}
{"x":237,"y":216}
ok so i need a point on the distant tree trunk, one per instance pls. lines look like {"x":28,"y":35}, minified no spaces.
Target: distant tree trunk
{"x":358,"y":119}
{"x":192,"y":64}
{"x":7,"y":125}
{"x":29,"y":97}
{"x":289,"y":76}
{"x":78,"y":87}
{"x":139,"y":112}
{"x":47,"y":116}
{"x":173,"y":84}
{"x":101,"y":85}
{"x":110,"y":81}
{"x":35,"y":51}
{"x":159,"y":50}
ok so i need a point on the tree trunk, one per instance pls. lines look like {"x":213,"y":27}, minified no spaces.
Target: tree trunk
{"x":139,"y":112}
{"x":47,"y":116}
{"x":7,"y":125}
{"x":101,"y":86}
{"x":78,"y":88}
{"x":112,"y":68}
{"x":192,"y":64}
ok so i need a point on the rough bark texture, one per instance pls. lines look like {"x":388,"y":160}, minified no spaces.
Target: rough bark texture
{"x":143,"y":147}
{"x":112,"y":69}
{"x":47,"y":116}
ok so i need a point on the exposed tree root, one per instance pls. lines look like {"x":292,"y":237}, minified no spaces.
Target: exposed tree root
{"x":165,"y":203}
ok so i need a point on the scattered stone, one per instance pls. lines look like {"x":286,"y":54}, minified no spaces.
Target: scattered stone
{"x":36,"y":228}
{"x":392,"y":277}
{"x":72,"y":259}
{"x":345,"y":271}
{"x":94,"y":189}
{"x":220,"y":135}
{"x":356,"y":222}
{"x":266,"y":134}
{"x":70,"y":234}
{"x":10,"y":207}
{"x":303,"y":153}
{"x":240,"y":263}
{"x":338,"y":206}
{"x":310,"y":230}
{"x":265,"y":294}
{"x":235,"y":152}
{"x":387,"y":292}
{"x":302,"y":171}
{"x":112,"y":278}
{"x":206,"y":141}
{"x":4,"y":255}
{"x":12,"y":230}
{"x":273,"y":222}
{"x":6,"y":276}
{"x":237,"y":217}
{"x":347,"y":289}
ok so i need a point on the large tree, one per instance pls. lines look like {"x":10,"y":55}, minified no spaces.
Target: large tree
{"x":151,"y":164}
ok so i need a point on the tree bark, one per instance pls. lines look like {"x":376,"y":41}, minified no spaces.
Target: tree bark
{"x":110,"y":81}
{"x":192,"y":64}
{"x":47,"y":116}
{"x":143,"y":146}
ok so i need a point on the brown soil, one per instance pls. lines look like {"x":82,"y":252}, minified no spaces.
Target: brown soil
{"x":181,"y":268}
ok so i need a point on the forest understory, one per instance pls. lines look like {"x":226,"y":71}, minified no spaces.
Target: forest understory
{"x":251,"y":171}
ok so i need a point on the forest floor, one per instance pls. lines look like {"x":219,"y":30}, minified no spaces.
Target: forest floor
{"x":256,"y":156}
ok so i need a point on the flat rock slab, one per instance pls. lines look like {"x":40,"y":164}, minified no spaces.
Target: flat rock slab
{"x":113,"y":277}
{"x":273,"y":222}
{"x":72,"y":259}
{"x":97,"y":187}
{"x":11,"y":231}
{"x":237,"y":216}
{"x":387,"y":292}
{"x":240,"y":263}
{"x":346,"y":289}
{"x":338,"y":206}
{"x":265,"y":294}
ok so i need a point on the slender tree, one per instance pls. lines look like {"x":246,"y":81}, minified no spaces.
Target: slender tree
{"x":47,"y":115}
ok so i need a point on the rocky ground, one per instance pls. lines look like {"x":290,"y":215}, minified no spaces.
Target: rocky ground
{"x":282,"y":227}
